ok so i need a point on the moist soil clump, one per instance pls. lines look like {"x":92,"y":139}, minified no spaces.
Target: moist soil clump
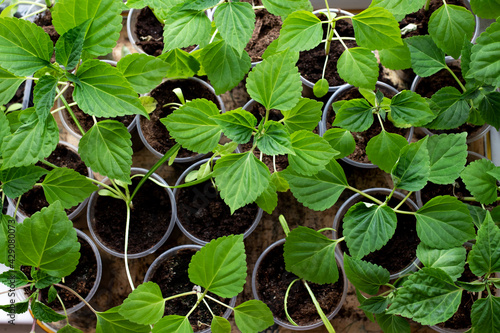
{"x":149,"y":218}
{"x":401,"y":250}
{"x":273,"y":281}
{"x":154,"y":131}
{"x":81,"y":280}
{"x":34,"y":200}
{"x":44,"y":20}
{"x":172,"y":277}
{"x":204,"y":214}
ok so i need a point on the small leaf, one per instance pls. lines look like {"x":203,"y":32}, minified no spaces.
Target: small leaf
{"x":451,"y":260}
{"x":44,"y":95}
{"x":485,"y":315}
{"x":376,"y":304}
{"x":275,"y":140}
{"x":304,"y":116}
{"x":408,"y":107}
{"x":17,"y":181}
{"x":354,"y":115}
{"x":253,"y":316}
{"x":43,"y":313}
{"x":321,"y":88}
{"x":13,"y":278}
{"x":376,"y":28}
{"x":69,"y":329}
{"x":236,"y":22}
{"x":145,"y":305}
{"x":488,"y":106}
{"x":186,"y":28}
{"x":474,"y":286}
{"x":450,"y":109}
{"x":220,"y":325}
{"x":399,"y":8}
{"x":484,"y":258}
{"x":300,"y":31}
{"x":43,"y":280}
{"x":392,"y":324}
{"x":9,"y":83}
{"x":142,"y":71}
{"x":67,"y":186}
{"x":365,"y":276}
{"x":268,"y":200}
{"x":479,"y":182}
{"x":448,"y":155}
{"x":426,"y":57}
{"x":396,"y":58}
{"x":485,"y":65}
{"x":238,"y":125}
{"x":52,"y":294}
{"x":341,"y":140}
{"x":384,"y":149}
{"x":312,"y":153}
{"x":69,"y":46}
{"x":279,"y":181}
{"x":111,"y":321}
{"x":412,"y":170}
{"x":18,"y":307}
{"x":173,"y":324}
{"x":180,"y":64}
{"x":358,"y":66}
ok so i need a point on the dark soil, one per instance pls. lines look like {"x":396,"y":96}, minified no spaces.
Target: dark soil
{"x":44,"y":20}
{"x":273,"y":281}
{"x":204,"y":214}
{"x":172,"y":277}
{"x":154,"y":131}
{"x":149,"y":218}
{"x":34,"y":200}
{"x":81,"y":280}
{"x":311,"y":62}
{"x":401,"y":250}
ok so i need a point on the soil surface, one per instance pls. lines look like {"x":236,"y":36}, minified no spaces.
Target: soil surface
{"x":204,"y":214}
{"x":149,"y":218}
{"x":273,"y":281}
{"x":34,"y":200}
{"x":44,"y":20}
{"x":172,"y":277}
{"x":153,"y":130}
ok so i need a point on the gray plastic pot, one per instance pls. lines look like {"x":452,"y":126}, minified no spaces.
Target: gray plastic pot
{"x":341,"y":91}
{"x":287,"y":325}
{"x":172,"y":252}
{"x":357,"y":198}
{"x":192,"y":237}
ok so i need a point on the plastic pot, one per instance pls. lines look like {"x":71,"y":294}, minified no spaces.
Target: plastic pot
{"x":412,"y":266}
{"x":173,"y":252}
{"x":287,"y":325}
{"x":323,"y":124}
{"x":91,"y":221}
{"x":205,"y":199}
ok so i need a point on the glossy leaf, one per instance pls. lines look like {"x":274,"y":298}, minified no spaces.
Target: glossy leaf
{"x":358,"y":66}
{"x":484,"y":258}
{"x":354,"y":115}
{"x":485,"y":65}
{"x":312,"y":153}
{"x":396,"y":58}
{"x":409,"y":108}
{"x":17,"y":181}
{"x":238,"y":125}
{"x":145,"y":305}
{"x":426,"y":57}
{"x":365,"y":276}
{"x":275,"y":140}
{"x":8,"y":87}
{"x":142,"y":71}
{"x":448,"y":155}
{"x":340,"y":140}
{"x":253,"y":316}
{"x":376,"y":28}
{"x":392,"y":324}
{"x":301,"y":31}
{"x":69,"y":46}
{"x":43,"y":313}
{"x":304,"y":116}
{"x":111,"y":321}
{"x":186,"y":28}
{"x":180,"y":64}
{"x":286,"y":7}
{"x":235,"y":21}
{"x":384,"y":149}
{"x":412,"y":170}
{"x":485,"y":315}
{"x":479,"y":182}
{"x":450,"y":109}
{"x":13,"y":278}
{"x":220,"y":325}
{"x":451,"y":261}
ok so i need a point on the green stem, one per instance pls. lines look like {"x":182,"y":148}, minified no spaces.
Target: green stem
{"x":63,"y":107}
{"x":213,"y":36}
{"x":127,"y":229}
{"x":456,"y":78}
{"x":258,"y":7}
{"x":77,"y":295}
{"x":31,"y":3}
{"x":208,"y":307}
{"x":403,"y":212}
{"x":326,"y":229}
{"x":340,"y":39}
{"x":17,"y":288}
{"x":427,"y":4}
{"x":34,"y":13}
{"x":343,"y":18}
{"x":390,"y":195}
{"x":68,"y":108}
{"x":343,"y":38}
{"x":340,"y":239}
{"x":109,"y":188}
{"x":285,"y":301}
{"x":180,"y":295}
{"x":17,"y":206}
{"x":64,"y":308}
{"x":365,"y":195}
{"x":219,"y":302}
{"x":380,"y":121}
{"x":197,"y":303}
{"x":284,"y":225}
{"x":322,"y":315}
{"x":403,"y":201}
{"x":324,"y":66}
{"x":48,"y":3}
{"x":63,"y":90}
{"x":471,"y":199}
{"x":47,"y":163}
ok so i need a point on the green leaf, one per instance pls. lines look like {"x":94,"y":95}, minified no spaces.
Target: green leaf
{"x":451,"y":260}
{"x":18,"y":307}
{"x":43,"y":279}
{"x":17,"y":181}
{"x":111,"y":321}
{"x":145,"y":305}
{"x":399,"y":7}
{"x":52,"y":294}
{"x":305,"y":248}
{"x":107,"y":149}
{"x":67,"y":186}
{"x":488,"y":107}
{"x":478,"y":214}
{"x":224,"y":75}
{"x":485,"y":315}
{"x":268,"y":200}
{"x":103,"y":91}
{"x":479,"y":182}
{"x":484,"y":258}
{"x":444,"y":222}
{"x":286,"y":7}
{"x":13,"y":278}
{"x":279,"y":181}
{"x":186,"y":28}
{"x":105,"y":22}
{"x":191,"y":125}
{"x":392,"y":324}
{"x":485,"y":64}
{"x":449,"y":26}
{"x":142,"y":71}
{"x":426,"y":57}
{"x":69,"y":46}
{"x":199,"y":4}
{"x":365,"y":276}
{"x":488,"y":9}
{"x":220,"y":325}
{"x":253,"y":316}
{"x":312,"y":153}
{"x":304,"y":116}
{"x":429,"y":297}
{"x":8,"y":87}
{"x":448,"y":155}
{"x":275,"y":83}
{"x":341,"y":140}
{"x":220,"y":266}
{"x":412,"y":170}
{"x":43,"y":313}
{"x":275,"y":140}
{"x":451,"y":110}
{"x":173,"y":324}
{"x":396,"y":58}
{"x":474,"y":286}
{"x":354,"y":115}
{"x":301,"y":31}
{"x":358,"y":66}
{"x":235,"y":21}
{"x":69,"y":329}
{"x":25,"y":47}
{"x":238,"y":125}
{"x":368,"y":227}
{"x":384,"y":149}
{"x":319,"y":191}
{"x":179,"y":64}
{"x":376,"y":28}
{"x":408,"y":107}
{"x":321,"y":88}
{"x":361,"y":299}
{"x":376,"y":304}
{"x":44,"y":95}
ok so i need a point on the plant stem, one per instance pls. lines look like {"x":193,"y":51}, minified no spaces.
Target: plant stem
{"x":47,"y":163}
{"x":197,"y":303}
{"x":64,"y":308}
{"x":77,"y":295}
{"x":213,"y":36}
{"x":427,"y":4}
{"x":180,"y":295}
{"x":63,"y":90}
{"x":380,"y":121}
{"x":9,"y":290}
{"x":365,"y":195}
{"x":34,"y":13}
{"x":285,"y":301}
{"x":403,"y":201}
{"x":48,"y":3}
{"x":325,"y":320}
{"x":469,"y":199}
{"x":274,"y":163}
{"x":340,"y":39}
{"x":95,"y":120}
{"x":109,"y":188}
{"x":17,"y":206}
{"x":324,"y":66}
{"x":68,"y":108}
{"x":258,"y":7}
{"x":456,"y":78}
{"x":390,"y":195}
{"x":31,"y":3}
{"x":284,"y":225}
{"x":403,"y":212}
{"x":343,"y":38}
{"x":208,"y":307}
{"x":63,"y":107}
{"x":127,"y":227}
{"x":217,"y":301}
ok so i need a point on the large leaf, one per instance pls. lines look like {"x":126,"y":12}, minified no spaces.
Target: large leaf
{"x":485,"y":315}
{"x":396,"y":57}
{"x":365,"y":276}
{"x":489,"y":9}
{"x":238,"y":125}
{"x":312,"y":153}
{"x":43,"y":313}
{"x":485,"y":65}
{"x":304,"y":116}
{"x":198,"y":4}
{"x":275,"y":83}
{"x":481,"y":184}
{"x":384,"y":149}
{"x":305,"y":248}
{"x":220,"y":325}
{"x":286,"y":7}
{"x":107,"y":149}
{"x":69,"y":329}
{"x":173,"y":324}
{"x":358,"y":66}
{"x":368,"y":227}
{"x":301,"y":31}
{"x":399,"y":7}
{"x":17,"y":181}
{"x":444,"y":222}
{"x":145,"y":305}
{"x":426,"y":57}
{"x":392,"y":324}
{"x":341,"y":140}
{"x":103,"y":91}
{"x":451,"y":260}
{"x":376,"y":28}
{"x":186,"y":28}
{"x":448,"y":155}
{"x":275,"y":140}
{"x":409,"y":108}
{"x":55,"y":249}
{"x":484,"y":258}
{"x":180,"y":64}
{"x":413,"y":167}
{"x":8,"y":87}
{"x":241,"y":178}
{"x":220,"y":266}
{"x":321,"y":190}
{"x":44,"y":95}
{"x":13,"y":278}
{"x":191,"y":125}
{"x":429,"y":297}
{"x":488,"y":107}
{"x":449,"y":26}
{"x":112,"y":322}
{"x":104,"y":27}
{"x":253,"y":316}
{"x":69,"y":46}
{"x":235,"y":21}
{"x":224,"y":75}
{"x":24,"y":46}
{"x":142,"y":71}
{"x":354,"y":115}
{"x":67,"y":186}
{"x":451,"y":110}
